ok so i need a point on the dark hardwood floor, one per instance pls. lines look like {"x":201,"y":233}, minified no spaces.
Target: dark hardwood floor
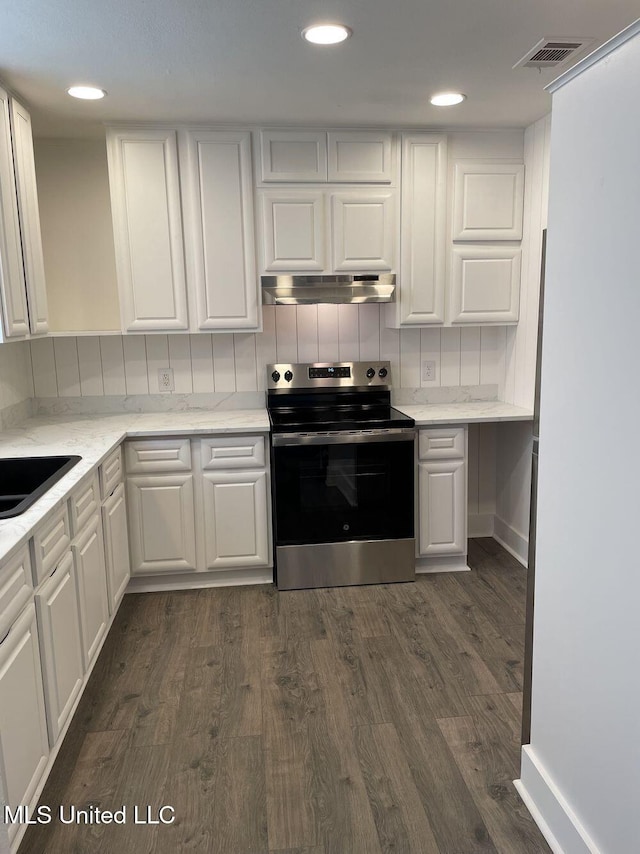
{"x":343,"y":721}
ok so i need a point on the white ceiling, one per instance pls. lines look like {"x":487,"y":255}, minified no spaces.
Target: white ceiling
{"x":244,"y":61}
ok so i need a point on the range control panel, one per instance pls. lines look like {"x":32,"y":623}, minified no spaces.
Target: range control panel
{"x":328,"y":375}
{"x":341,"y":372}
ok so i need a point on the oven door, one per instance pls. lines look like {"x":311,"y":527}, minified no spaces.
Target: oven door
{"x":343,"y":486}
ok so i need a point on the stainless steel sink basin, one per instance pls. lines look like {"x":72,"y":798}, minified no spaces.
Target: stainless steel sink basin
{"x":25,"y":479}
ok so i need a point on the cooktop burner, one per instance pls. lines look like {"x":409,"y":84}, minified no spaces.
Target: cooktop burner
{"x":345,"y":396}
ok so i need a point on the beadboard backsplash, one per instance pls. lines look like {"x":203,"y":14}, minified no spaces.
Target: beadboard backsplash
{"x":95,"y":366}
{"x":16,"y":383}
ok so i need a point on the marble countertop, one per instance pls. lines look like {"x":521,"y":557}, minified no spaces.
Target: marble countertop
{"x":93,"y":438}
{"x":474,"y":412}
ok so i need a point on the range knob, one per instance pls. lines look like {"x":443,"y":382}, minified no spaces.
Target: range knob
{"x":371,"y":373}
{"x":275,"y":376}
{"x":288,"y":376}
{"x":383,"y":372}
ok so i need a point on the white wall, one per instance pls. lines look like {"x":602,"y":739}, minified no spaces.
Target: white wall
{"x":77,"y":235}
{"x":514,"y":442}
{"x":582,"y":769}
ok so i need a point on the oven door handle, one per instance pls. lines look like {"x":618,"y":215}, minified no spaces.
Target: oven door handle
{"x":346,"y":437}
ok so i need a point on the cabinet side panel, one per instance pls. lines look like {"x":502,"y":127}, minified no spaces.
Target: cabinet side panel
{"x":29,"y":218}
{"x":12,"y":278}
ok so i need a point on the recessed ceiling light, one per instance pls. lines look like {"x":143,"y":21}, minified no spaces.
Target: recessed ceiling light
{"x":326,"y":33}
{"x":87,"y":93}
{"x":447,"y":99}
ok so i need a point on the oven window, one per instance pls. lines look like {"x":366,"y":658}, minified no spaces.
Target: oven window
{"x":332,"y":493}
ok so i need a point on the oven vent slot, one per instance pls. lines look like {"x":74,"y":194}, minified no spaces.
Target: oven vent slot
{"x":315,"y":290}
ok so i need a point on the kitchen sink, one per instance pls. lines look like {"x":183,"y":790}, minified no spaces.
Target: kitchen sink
{"x":25,"y":479}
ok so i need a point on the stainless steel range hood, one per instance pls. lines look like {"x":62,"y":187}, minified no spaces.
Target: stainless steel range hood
{"x":313,"y":290}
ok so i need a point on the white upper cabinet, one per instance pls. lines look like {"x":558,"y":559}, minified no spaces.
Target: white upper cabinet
{"x":348,"y":156}
{"x":488,"y":200}
{"x":217,"y":189}
{"x":293,"y":230}
{"x":485,"y":284}
{"x":147,"y":220}
{"x":421,"y":298}
{"x":29,"y":218}
{"x":289,"y":156}
{"x":363,"y":230}
{"x":14,"y":313}
{"x":360,"y":156}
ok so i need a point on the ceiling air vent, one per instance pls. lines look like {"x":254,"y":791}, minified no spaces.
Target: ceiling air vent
{"x":549,"y":52}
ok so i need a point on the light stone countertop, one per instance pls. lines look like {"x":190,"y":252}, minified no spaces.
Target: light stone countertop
{"x":473,"y":412}
{"x":93,"y":437}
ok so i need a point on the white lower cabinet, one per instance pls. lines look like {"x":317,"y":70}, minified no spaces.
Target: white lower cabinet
{"x":116,"y":546}
{"x":162,"y":523}
{"x":236,"y":523}
{"x":89,"y":556}
{"x":60,"y":643}
{"x":442,"y":507}
{"x":24,"y":746}
{"x":213,"y":517}
{"x":442,"y":492}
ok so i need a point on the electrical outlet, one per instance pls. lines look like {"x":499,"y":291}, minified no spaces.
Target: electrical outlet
{"x":428,"y":371}
{"x":165,"y":379}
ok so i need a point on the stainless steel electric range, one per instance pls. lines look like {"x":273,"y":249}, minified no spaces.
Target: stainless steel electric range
{"x":343,"y":476}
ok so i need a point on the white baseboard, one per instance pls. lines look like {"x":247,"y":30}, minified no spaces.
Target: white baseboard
{"x":198,"y":580}
{"x":549,"y":809}
{"x":511,"y":540}
{"x":443,"y":563}
{"x":480,"y":524}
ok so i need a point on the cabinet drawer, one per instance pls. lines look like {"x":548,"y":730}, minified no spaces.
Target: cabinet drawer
{"x":110,"y":473}
{"x":16,"y":587}
{"x":158,"y":455}
{"x":50,"y":542}
{"x":441,"y":443}
{"x":233,"y":452}
{"x":84,"y":504}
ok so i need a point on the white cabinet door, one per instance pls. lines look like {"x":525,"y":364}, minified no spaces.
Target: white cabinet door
{"x":485,"y":285}
{"x":13,"y":295}
{"x":488,"y":201}
{"x":162,"y":523}
{"x":442,"y":498}
{"x":147,"y":224}
{"x":91,"y":574}
{"x":24,"y":745}
{"x":421,"y":284}
{"x":116,"y":546}
{"x":60,"y":644}
{"x":29,"y":214}
{"x":294,"y":231}
{"x":293,"y":155}
{"x":363,"y":230}
{"x":217,"y":190}
{"x":236,"y":519}
{"x":355,"y":156}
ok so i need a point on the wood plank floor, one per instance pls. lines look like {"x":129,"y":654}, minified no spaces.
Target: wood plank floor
{"x":343,"y":721}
